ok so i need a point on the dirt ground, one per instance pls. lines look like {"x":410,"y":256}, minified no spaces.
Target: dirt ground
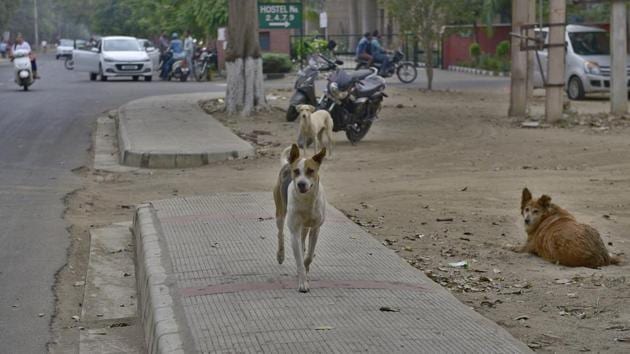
{"x":436,"y":156}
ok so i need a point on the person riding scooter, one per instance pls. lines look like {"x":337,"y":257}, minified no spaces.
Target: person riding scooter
{"x":21,"y":44}
{"x":177,"y":48}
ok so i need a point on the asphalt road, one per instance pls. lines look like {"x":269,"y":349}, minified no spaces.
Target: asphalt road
{"x":44,"y":134}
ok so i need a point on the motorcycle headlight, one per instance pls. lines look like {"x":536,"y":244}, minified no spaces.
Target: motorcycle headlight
{"x":335,"y":92}
{"x":591,"y":67}
{"x":23,"y":74}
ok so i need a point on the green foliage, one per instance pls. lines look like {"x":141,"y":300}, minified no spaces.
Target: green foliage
{"x":503,"y":49}
{"x":474,"y":50}
{"x":276,"y":63}
{"x":303,"y":49}
{"x":7,"y":9}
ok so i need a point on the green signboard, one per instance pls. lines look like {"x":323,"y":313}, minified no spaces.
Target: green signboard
{"x":279,"y":15}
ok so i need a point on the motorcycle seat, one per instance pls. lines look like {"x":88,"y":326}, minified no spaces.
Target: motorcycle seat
{"x":357,"y":75}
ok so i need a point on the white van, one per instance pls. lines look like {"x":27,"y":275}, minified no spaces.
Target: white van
{"x":587,"y":63}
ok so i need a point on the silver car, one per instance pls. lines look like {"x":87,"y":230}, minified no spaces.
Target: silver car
{"x":587,"y":61}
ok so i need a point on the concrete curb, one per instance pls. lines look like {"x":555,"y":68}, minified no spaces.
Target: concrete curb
{"x":131,"y":156}
{"x":156,"y":308}
{"x":474,"y":71}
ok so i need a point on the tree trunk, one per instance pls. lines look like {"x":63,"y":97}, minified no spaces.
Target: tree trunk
{"x":428,"y":63}
{"x":245,"y":92}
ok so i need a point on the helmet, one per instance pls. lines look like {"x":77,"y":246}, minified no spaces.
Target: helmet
{"x":174,"y":35}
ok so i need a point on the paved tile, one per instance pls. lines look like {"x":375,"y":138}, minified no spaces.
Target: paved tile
{"x":221,"y":253}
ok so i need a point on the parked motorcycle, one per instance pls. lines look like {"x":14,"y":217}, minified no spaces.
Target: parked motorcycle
{"x":179,"y":69}
{"x":23,"y":71}
{"x":405,"y":70}
{"x":305,"y":83}
{"x":353,"y":99}
{"x":204,"y":59}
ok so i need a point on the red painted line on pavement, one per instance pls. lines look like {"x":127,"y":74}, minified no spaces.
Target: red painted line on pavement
{"x":292,"y":284}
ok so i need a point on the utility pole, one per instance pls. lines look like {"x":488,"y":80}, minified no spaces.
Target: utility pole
{"x":36,"y":21}
{"x":518,"y":80}
{"x":531,"y":57}
{"x":618,"y":54}
{"x":555,"y":81}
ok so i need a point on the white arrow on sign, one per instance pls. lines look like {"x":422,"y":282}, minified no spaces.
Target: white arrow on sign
{"x":284,"y":24}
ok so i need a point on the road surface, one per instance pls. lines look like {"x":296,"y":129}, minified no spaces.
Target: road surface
{"x":44,"y":134}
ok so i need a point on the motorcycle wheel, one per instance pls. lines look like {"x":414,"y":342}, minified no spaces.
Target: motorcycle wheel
{"x":407,"y":73}
{"x":355,"y":134}
{"x":25,"y":87}
{"x":183,"y":78}
{"x":69,"y":64}
{"x":292,"y":113}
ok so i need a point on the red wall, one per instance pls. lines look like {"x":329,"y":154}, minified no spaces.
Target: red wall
{"x":455,"y":46}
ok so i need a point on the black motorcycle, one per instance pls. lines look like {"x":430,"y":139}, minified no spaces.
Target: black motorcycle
{"x":405,"y":70}
{"x":305,"y":83}
{"x":353,"y":99}
{"x":203,"y":60}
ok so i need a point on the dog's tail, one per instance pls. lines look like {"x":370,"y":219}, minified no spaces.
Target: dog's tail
{"x":284,"y":157}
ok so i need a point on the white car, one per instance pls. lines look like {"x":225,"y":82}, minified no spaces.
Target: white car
{"x":587,"y":61}
{"x":64,"y":49}
{"x":114,"y":57}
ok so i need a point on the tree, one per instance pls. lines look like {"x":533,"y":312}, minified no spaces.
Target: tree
{"x":245,"y":91}
{"x":7,"y":8}
{"x":424,"y":19}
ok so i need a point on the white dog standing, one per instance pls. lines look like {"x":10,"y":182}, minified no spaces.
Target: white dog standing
{"x":299,"y":198}
{"x":313,"y":126}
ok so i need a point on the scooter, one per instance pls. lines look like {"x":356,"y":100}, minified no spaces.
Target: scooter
{"x":179,"y":70}
{"x":305,"y":83}
{"x":23,"y":70}
{"x":405,"y":70}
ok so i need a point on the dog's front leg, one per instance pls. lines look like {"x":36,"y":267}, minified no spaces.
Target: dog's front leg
{"x":280,"y":224}
{"x":298,"y":254}
{"x":304,"y":234}
{"x":312,"y":242}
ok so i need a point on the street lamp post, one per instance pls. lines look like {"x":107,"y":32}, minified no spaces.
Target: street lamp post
{"x":36,"y":23}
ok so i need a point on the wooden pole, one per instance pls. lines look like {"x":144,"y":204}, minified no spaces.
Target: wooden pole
{"x":555,"y":81}
{"x":618,"y":55}
{"x":531,"y":53}
{"x":518,"y":79}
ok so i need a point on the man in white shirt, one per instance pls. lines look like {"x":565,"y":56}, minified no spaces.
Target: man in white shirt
{"x":189,"y":48}
{"x":21,"y":44}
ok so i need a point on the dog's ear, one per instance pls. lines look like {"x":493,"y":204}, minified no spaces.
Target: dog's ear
{"x":294,"y":154}
{"x":320,"y":156}
{"x":311,"y":108}
{"x":527,"y":196}
{"x":544,"y":201}
{"x":299,"y":107}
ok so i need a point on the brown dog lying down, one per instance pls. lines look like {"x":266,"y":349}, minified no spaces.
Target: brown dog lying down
{"x":555,"y":235}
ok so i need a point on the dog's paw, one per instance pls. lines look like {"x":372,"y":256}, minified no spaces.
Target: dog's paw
{"x":280,"y":256}
{"x":303,"y":287}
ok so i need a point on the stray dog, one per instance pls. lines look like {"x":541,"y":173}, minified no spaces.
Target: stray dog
{"x":300,"y":199}
{"x":313,"y":126}
{"x":555,"y":235}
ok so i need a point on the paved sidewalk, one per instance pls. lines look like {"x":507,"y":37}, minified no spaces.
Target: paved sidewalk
{"x":173,"y":132}
{"x":209,"y":282}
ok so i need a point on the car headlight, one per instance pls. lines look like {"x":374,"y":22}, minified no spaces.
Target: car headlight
{"x":146,"y":60}
{"x":591,"y":67}
{"x":108,"y":60}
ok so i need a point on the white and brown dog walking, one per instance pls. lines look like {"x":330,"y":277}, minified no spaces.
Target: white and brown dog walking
{"x":300,"y":201}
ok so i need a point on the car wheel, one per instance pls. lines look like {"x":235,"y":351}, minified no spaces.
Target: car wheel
{"x":148,"y":78}
{"x":100,"y":73}
{"x":93,"y":76}
{"x":575,"y":90}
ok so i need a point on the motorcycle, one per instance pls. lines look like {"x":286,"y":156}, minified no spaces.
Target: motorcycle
{"x":203,"y":60}
{"x":305,"y":83}
{"x":353,"y":99}
{"x":179,"y":69}
{"x":23,"y":71}
{"x":405,"y":70}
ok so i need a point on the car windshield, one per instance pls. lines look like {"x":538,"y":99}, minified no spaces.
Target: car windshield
{"x":121,"y":45}
{"x":590,"y":43}
{"x":66,"y":43}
